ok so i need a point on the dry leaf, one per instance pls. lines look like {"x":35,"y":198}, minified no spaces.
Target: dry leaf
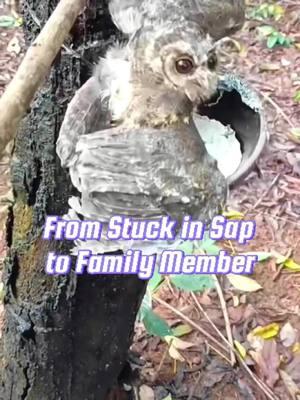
{"x":2,"y":293}
{"x":178,"y":343}
{"x":267,"y":362}
{"x":268,"y":331}
{"x":292,"y":265}
{"x":236,"y":301}
{"x":241,"y":349}
{"x":244,"y":283}
{"x":288,"y":335}
{"x":174,"y":353}
{"x":291,"y":386}
{"x":182,"y":330}
{"x":146,"y":393}
{"x":256,"y":342}
{"x":296,"y":348}
{"x":293,"y":369}
{"x":232,"y":214}
{"x":280,"y":259}
{"x":14,"y":46}
{"x":265,"y":67}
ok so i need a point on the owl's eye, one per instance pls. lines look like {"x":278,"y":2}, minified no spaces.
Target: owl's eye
{"x":212,"y":61}
{"x":184,"y":65}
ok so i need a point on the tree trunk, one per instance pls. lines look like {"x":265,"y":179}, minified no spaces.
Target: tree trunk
{"x":65,"y":337}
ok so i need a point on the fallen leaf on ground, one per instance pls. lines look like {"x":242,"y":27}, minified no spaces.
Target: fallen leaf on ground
{"x":296,"y":348}
{"x":176,"y":344}
{"x":244,"y":283}
{"x":293,"y":369}
{"x":268,"y":331}
{"x":169,"y":397}
{"x":182,"y":330}
{"x":266,"y":67}
{"x":232,"y":214}
{"x":291,"y":386}
{"x":14,"y":46}
{"x":288,"y":335}
{"x":267,"y":362}
{"x":174,"y":353}
{"x":241,"y":349}
{"x":292,"y":265}
{"x":146,"y":393}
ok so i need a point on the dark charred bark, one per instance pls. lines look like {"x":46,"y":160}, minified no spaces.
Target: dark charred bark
{"x":64,"y":337}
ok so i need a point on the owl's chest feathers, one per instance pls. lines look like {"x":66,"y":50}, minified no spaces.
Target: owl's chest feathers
{"x":157,"y":108}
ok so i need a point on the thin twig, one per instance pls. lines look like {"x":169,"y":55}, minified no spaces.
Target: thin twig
{"x":189,"y":321}
{"x":278,"y":109}
{"x":191,"y":395}
{"x":201,"y":309}
{"x":219,"y":353}
{"x":266,"y":390}
{"x":226,"y":319}
{"x":266,"y":192}
{"x":161,"y":363}
{"x":232,"y":360}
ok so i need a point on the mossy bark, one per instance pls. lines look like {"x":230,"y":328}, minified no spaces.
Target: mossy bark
{"x":64,"y":337}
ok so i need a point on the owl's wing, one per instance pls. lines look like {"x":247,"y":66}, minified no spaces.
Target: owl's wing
{"x":85,"y":113}
{"x":145,"y":173}
{"x":126,"y":15}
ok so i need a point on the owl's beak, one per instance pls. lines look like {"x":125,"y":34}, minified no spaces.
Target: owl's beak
{"x":202,"y":87}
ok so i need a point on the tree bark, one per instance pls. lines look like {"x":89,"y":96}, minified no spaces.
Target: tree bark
{"x":65,"y":337}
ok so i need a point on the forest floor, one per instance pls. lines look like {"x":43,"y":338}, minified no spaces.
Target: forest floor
{"x":269,"y":365}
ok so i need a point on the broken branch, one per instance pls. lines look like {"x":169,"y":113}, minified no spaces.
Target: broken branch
{"x":38,"y":59}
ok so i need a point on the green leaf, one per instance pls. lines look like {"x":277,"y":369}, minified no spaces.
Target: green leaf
{"x":155,"y":325}
{"x":7,"y":21}
{"x":169,"y":397}
{"x":261,"y":255}
{"x":145,"y":306}
{"x":282,"y":40}
{"x":192,"y":283}
{"x":272,"y":41}
{"x":2,"y":292}
{"x":182,"y":330}
{"x":297,"y":96}
{"x":155,"y":281}
{"x":266,"y":30}
{"x":210,"y":249}
{"x":208,"y":245}
{"x":187,"y":247}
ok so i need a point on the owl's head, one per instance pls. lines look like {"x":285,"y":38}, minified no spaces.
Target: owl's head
{"x":178,"y":58}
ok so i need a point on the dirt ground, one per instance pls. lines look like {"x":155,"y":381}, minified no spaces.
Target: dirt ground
{"x":271,"y":196}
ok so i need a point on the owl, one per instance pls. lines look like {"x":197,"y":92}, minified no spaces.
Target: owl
{"x":171,"y":68}
{"x":152,"y":163}
{"x":216,"y":17}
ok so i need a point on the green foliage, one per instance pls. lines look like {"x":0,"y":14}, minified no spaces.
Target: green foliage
{"x":192,"y":283}
{"x":297,"y":96}
{"x":274,"y":37}
{"x":267,"y":11}
{"x":155,"y":325}
{"x":2,"y":293}
{"x":261,"y":255}
{"x":7,"y":21}
{"x":155,"y":282}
